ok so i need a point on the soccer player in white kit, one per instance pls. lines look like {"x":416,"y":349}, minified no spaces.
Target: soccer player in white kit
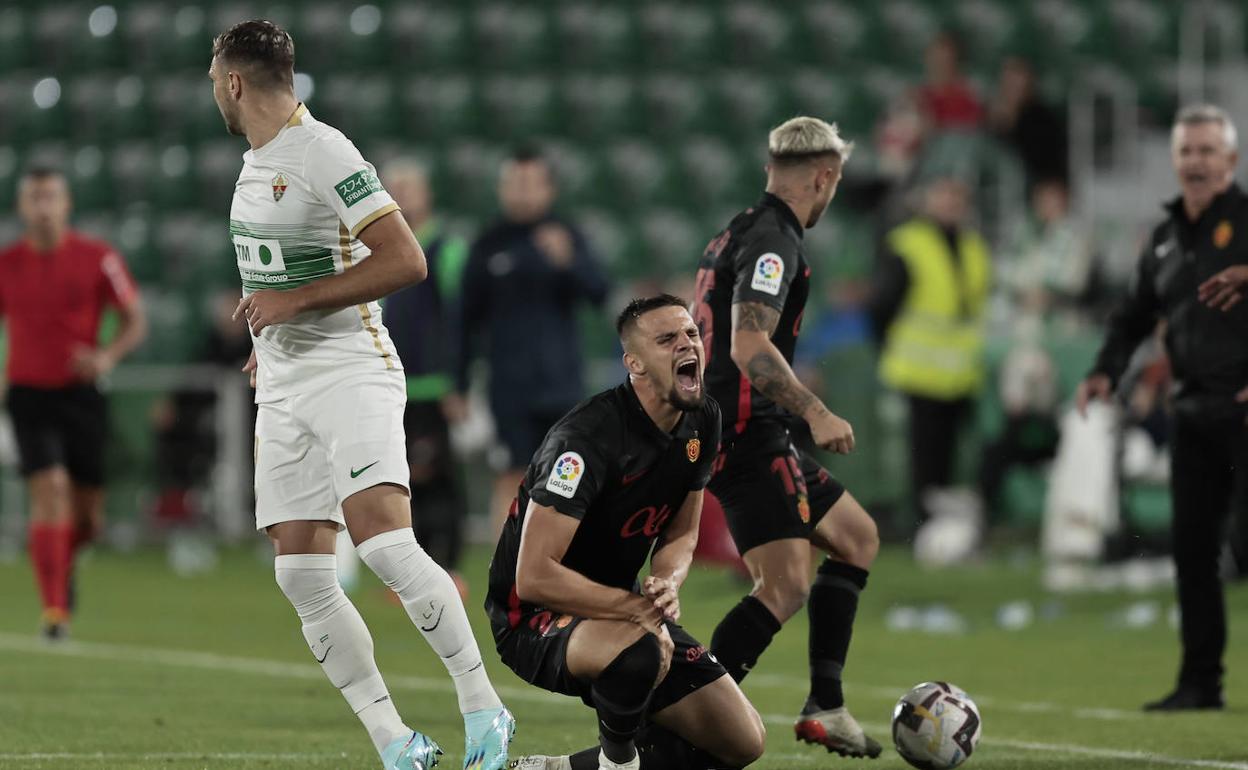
{"x":318,"y":242}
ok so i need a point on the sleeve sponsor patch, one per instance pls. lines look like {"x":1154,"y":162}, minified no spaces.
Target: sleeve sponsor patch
{"x":566,"y":475}
{"x":357,"y":187}
{"x":768,"y":274}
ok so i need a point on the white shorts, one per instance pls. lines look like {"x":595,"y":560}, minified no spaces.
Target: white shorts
{"x":316,"y":449}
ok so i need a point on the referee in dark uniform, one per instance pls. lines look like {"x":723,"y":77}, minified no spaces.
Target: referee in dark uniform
{"x":1204,"y":233}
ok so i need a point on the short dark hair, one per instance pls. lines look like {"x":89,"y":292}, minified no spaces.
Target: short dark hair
{"x":264,"y":48}
{"x":42,"y":171}
{"x":634,"y":310}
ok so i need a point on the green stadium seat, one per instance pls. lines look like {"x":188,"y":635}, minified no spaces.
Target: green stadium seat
{"x":437,"y":106}
{"x":751,"y":104}
{"x":676,"y":105}
{"x":106,"y":108}
{"x":182,"y":107}
{"x":843,"y":99}
{"x":471,"y":173}
{"x":988,"y":30}
{"x":608,"y":236}
{"x":14,"y":39}
{"x":712,"y":172}
{"x":599,"y":105}
{"x":577,"y":172}
{"x":133,"y":170}
{"x":9,"y":171}
{"x":89,"y":178}
{"x":681,"y":35}
{"x":217,"y":165}
{"x":601,"y":35}
{"x":517,"y":107}
{"x":508,"y":35}
{"x":672,"y":241}
{"x":357,"y":105}
{"x":174,"y":183}
{"x":833,"y":32}
{"x":133,"y":237}
{"x":428,"y":35}
{"x":759,"y":35}
{"x":639,"y":173}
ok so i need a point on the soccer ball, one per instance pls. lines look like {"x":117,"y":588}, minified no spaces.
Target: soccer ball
{"x":935,"y":726}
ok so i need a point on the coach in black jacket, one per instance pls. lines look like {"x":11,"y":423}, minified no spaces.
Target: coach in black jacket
{"x":1204,"y":233}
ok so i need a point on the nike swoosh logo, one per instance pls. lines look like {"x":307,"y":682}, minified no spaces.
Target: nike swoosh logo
{"x":355,"y":473}
{"x":630,"y":478}
{"x":323,"y":657}
{"x":436,"y":622}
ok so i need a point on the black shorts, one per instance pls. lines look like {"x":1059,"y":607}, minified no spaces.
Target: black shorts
{"x":770,"y":485}
{"x":537,"y":648}
{"x":60,"y":426}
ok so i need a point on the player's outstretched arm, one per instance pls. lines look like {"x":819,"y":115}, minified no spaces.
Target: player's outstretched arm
{"x":396,"y":261}
{"x":669,"y":566}
{"x":541,"y":579}
{"x":757,"y":356}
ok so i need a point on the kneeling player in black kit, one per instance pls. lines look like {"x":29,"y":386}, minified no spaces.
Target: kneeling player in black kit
{"x":621,"y":473}
{"x":750,"y":294}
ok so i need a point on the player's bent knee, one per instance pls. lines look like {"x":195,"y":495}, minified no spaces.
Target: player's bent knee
{"x":641,"y":661}
{"x":747,"y":746}
{"x":785,"y":597}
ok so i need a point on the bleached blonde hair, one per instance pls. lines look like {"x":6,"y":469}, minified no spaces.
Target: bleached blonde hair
{"x":804,"y":137}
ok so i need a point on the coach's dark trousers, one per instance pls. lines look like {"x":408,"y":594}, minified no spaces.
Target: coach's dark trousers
{"x":1209,"y":469}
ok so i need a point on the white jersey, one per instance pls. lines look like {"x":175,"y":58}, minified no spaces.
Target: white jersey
{"x":300,"y":202}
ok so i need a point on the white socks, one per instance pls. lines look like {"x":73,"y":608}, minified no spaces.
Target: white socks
{"x":429,"y":596}
{"x":340,"y":641}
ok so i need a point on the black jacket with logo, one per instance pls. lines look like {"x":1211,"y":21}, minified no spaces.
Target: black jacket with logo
{"x":1208,"y":348}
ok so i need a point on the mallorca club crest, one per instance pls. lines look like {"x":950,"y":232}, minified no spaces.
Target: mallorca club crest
{"x":693,"y":449}
{"x":1222,"y":234}
{"x":279,"y":187}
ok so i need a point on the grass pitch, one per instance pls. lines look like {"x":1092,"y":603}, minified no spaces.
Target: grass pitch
{"x":212,"y":672}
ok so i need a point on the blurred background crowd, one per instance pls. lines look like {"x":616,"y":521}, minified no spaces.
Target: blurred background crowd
{"x":557,"y":158}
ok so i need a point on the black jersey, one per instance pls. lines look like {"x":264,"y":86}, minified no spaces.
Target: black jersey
{"x":609,"y":466}
{"x":757,"y":259}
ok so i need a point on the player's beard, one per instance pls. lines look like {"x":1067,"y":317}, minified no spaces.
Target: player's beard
{"x":686,"y":402}
{"x":232,"y":123}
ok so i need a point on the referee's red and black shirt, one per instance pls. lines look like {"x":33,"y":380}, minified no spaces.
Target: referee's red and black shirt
{"x":52,"y":302}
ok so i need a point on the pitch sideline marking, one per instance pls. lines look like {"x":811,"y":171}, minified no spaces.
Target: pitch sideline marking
{"x":213,"y":661}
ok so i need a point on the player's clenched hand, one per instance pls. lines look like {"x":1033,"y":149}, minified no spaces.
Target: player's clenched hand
{"x":1224,"y":290}
{"x":665,"y":595}
{"x":90,"y":364}
{"x":555,"y":242}
{"x":1097,"y":387}
{"x":831,"y":432}
{"x":268,"y":307}
{"x":250,"y":368}
{"x":645,"y":614}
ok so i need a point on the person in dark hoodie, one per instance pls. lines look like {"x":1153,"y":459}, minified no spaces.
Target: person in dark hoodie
{"x":527,"y":275}
{"x":1180,"y":279}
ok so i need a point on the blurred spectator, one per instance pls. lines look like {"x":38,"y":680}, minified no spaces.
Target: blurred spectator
{"x":527,"y":274}
{"x":1047,"y":266}
{"x":945,"y":99}
{"x":927,"y":310}
{"x":420,"y":324}
{"x":55,"y":285}
{"x":1022,"y":121}
{"x":185,"y":422}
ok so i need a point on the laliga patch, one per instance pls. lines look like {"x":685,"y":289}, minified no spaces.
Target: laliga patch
{"x":566,"y":476}
{"x":768,"y":273}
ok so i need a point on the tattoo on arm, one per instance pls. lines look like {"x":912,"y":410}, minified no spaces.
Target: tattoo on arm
{"x":774,"y":379}
{"x":754,"y":317}
{"x":767,"y":369}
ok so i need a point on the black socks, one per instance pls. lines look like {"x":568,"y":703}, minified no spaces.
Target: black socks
{"x":742,"y":636}
{"x":621,"y":693}
{"x":832,"y":606}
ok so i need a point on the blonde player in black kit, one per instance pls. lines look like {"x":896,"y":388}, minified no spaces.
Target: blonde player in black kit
{"x":751,"y":292}
{"x":617,"y":480}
